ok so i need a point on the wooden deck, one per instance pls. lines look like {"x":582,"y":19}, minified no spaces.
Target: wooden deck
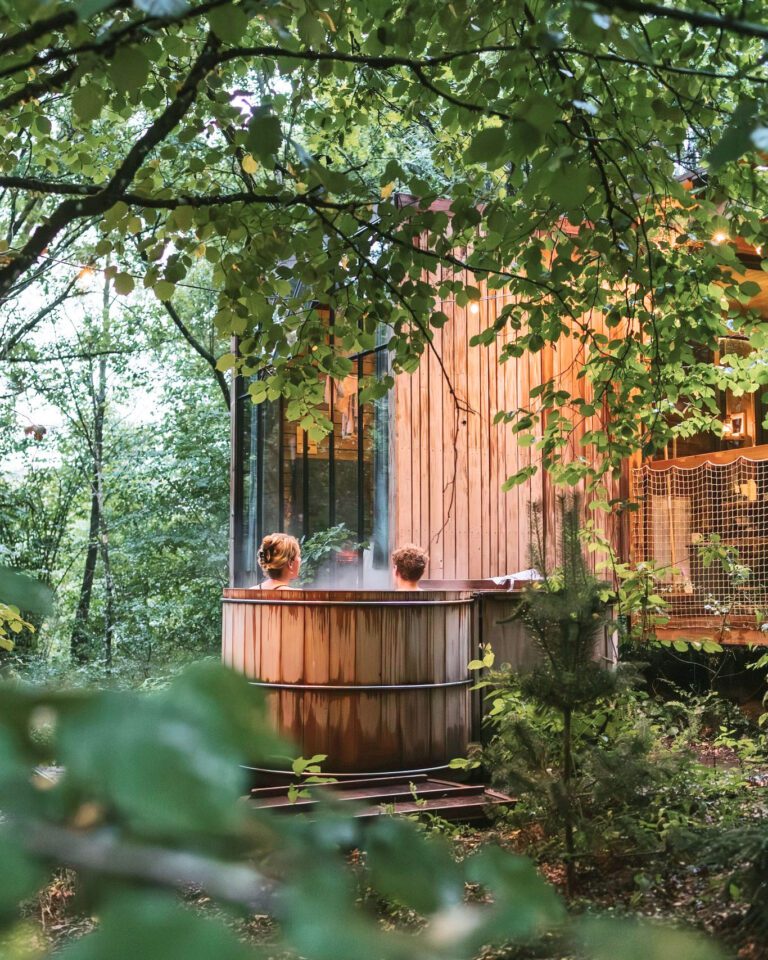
{"x":733,"y":637}
{"x":372,"y":797}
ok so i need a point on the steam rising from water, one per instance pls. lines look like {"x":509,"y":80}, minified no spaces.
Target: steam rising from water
{"x":352,"y":577}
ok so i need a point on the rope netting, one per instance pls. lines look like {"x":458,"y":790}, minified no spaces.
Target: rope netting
{"x":705,"y":528}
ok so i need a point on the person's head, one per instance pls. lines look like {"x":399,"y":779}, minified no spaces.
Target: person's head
{"x":408,"y":566}
{"x":280,"y":556}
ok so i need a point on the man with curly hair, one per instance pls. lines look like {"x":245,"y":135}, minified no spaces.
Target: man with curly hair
{"x":408,"y":566}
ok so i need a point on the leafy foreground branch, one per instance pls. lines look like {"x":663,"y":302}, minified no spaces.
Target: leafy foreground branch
{"x":396,"y":165}
{"x":149,"y":804}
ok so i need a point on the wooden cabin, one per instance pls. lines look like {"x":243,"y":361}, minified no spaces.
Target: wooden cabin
{"x":427,"y":463}
{"x":379,"y":680}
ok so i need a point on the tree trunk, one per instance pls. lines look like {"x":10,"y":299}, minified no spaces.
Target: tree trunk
{"x":78,"y":642}
{"x":109,"y":587}
{"x":97,"y":527}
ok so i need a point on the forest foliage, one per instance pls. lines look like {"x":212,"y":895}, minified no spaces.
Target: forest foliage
{"x":291,"y":153}
{"x":174,"y":174}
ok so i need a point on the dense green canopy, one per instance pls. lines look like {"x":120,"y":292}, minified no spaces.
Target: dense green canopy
{"x":259,"y":147}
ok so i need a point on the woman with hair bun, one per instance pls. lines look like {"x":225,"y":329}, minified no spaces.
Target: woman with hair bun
{"x":280,"y":559}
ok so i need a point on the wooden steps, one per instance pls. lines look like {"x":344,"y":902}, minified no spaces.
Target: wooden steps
{"x":374,"y":796}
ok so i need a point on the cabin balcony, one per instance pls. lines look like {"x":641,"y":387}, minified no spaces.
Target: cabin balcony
{"x":703,"y":521}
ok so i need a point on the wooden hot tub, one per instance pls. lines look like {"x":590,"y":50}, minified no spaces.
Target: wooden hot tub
{"x":376,"y":680}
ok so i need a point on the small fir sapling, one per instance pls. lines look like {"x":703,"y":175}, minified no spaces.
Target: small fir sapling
{"x":564,"y":614}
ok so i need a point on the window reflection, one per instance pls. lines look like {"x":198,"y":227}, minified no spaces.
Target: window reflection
{"x":303,"y":486}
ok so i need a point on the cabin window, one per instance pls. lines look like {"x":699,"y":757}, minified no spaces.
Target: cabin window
{"x":287,"y":482}
{"x":741,"y":416}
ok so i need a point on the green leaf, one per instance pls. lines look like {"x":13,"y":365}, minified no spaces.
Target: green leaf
{"x":569,"y":188}
{"x":517,"y":478}
{"x":88,"y":101}
{"x":264,"y":133}
{"x":749,"y":288}
{"x":124,"y":284}
{"x":736,"y":138}
{"x":311,"y":30}
{"x":183,"y":217}
{"x":405,"y":867}
{"x":258,"y":391}
{"x":488,"y":146}
{"x":512,"y":880}
{"x":680,"y":645}
{"x":164,"y":290}
{"x":20,"y":877}
{"x":226,"y":361}
{"x":87,"y":8}
{"x":607,"y":940}
{"x":24,"y":592}
{"x":188,"y":742}
{"x":229,"y":22}
{"x":137,"y":924}
{"x":321,"y":921}
{"x":129,"y":69}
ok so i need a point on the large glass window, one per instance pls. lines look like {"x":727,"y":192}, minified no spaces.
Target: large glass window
{"x":741,"y":416}
{"x":284,"y":481}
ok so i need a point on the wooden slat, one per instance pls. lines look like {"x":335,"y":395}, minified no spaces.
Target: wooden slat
{"x":461,"y":508}
{"x":423,"y":484}
{"x":450,"y":439}
{"x":417,"y":478}
{"x":486,"y":432}
{"x":270,"y":616}
{"x":524,"y":456}
{"x":292,"y":642}
{"x":494,"y":440}
{"x":402,"y":474}
{"x":249,"y":648}
{"x":435,"y":540}
{"x":475,"y":428}
{"x":227,"y":615}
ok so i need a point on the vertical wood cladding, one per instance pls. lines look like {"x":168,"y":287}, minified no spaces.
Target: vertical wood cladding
{"x":450,"y":459}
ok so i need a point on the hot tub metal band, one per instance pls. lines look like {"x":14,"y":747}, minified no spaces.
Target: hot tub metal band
{"x":359,"y":686}
{"x":350,"y":603}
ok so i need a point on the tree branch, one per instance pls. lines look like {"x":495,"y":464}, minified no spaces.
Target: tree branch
{"x":199,"y":348}
{"x":110,"y":41}
{"x":25,"y":328}
{"x":39,"y":29}
{"x":100,"y":202}
{"x":102,"y":852}
{"x":37,"y":88}
{"x":665,"y":67}
{"x":696,"y":18}
{"x":37,"y":185}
